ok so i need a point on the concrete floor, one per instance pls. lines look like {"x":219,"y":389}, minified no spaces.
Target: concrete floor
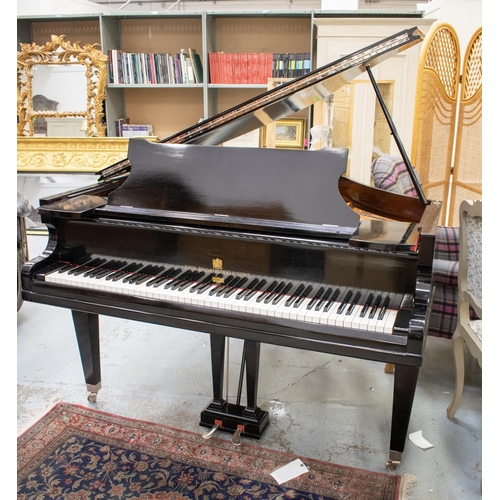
{"x":321,"y":406}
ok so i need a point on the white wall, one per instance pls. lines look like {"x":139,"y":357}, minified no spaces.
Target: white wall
{"x":464,"y":15}
{"x":48,"y":7}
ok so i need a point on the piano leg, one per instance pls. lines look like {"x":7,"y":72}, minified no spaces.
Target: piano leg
{"x":247,"y":420}
{"x":405,"y":384}
{"x":87,"y":335}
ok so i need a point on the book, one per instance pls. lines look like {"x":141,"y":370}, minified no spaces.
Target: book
{"x":189,"y":70}
{"x":134,"y":130}
{"x":197,"y":66}
{"x":119,"y":126}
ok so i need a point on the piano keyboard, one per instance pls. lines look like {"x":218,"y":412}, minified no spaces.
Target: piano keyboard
{"x":260,"y":295}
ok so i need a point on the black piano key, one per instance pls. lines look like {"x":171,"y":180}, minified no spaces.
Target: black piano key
{"x":344,"y":302}
{"x":83,"y":269}
{"x":79,"y":262}
{"x":247,"y":289}
{"x":166,"y":277}
{"x":180,"y":280}
{"x":105,"y":272}
{"x":194,"y":279}
{"x":385,"y":304}
{"x":235,"y":287}
{"x":296,"y":293}
{"x":222,"y":285}
{"x":368,"y":302}
{"x":202,"y":283}
{"x":259,"y":287}
{"x":163,"y":275}
{"x":204,"y":288}
{"x":323,"y":299}
{"x":149,"y":271}
{"x":118,"y":275}
{"x":303,"y":296}
{"x":331,"y":301}
{"x":209,"y":285}
{"x":353,"y":304}
{"x":150,"y":275}
{"x":277,"y":298}
{"x":316,"y":297}
{"x":89,"y":264}
{"x":225,"y":286}
{"x":91,"y":272}
{"x":269,"y":291}
{"x":374,"y":307}
{"x":269,"y":295}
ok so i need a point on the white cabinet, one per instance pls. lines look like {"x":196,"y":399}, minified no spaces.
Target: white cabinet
{"x":358,"y":122}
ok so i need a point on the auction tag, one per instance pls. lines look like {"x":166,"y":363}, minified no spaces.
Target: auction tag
{"x":289,"y":471}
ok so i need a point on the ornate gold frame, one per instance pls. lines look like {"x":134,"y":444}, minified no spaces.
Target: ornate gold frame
{"x":294,"y":141}
{"x":61,"y":154}
{"x":60,"y":51}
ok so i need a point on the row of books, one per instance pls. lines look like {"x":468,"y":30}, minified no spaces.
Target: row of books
{"x":143,"y":68}
{"x":238,"y":68}
{"x":291,"y":65}
{"x":124,"y":128}
{"x":230,"y":67}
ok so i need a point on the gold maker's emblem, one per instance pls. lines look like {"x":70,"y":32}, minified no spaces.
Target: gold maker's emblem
{"x":217,"y":264}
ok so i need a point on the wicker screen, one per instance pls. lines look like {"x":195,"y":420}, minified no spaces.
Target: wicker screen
{"x":435,"y":111}
{"x":467,"y":168}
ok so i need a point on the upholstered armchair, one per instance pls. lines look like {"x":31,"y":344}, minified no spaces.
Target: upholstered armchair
{"x":470,"y":295}
{"x":390,"y":173}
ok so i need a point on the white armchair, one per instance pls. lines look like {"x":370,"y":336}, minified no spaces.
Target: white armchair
{"x":469,"y":328}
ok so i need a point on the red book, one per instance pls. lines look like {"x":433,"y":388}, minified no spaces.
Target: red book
{"x":244,"y":68}
{"x":212,"y":66}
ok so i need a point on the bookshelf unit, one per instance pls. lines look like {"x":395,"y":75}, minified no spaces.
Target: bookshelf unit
{"x":175,"y":106}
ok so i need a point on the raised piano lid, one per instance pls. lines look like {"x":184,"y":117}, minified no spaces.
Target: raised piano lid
{"x":286,"y":99}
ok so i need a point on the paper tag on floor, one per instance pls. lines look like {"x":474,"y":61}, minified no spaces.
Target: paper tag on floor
{"x":289,"y":471}
{"x":418,"y":439}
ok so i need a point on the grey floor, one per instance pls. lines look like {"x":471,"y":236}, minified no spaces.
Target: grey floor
{"x":321,"y":406}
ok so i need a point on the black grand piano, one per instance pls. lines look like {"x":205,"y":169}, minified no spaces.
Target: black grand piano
{"x":262,"y":245}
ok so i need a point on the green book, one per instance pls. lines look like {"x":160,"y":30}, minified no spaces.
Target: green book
{"x":197,"y":66}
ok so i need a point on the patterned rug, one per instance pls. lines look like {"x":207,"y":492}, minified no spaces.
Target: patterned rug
{"x":76,"y":453}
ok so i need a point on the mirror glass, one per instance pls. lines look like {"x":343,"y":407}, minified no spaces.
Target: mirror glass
{"x":65,"y":84}
{"x":60,"y":88}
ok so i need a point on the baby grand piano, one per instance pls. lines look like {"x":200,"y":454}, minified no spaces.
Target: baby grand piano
{"x":256,"y":244}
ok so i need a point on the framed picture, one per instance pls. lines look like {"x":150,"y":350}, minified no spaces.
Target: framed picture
{"x":289,"y":133}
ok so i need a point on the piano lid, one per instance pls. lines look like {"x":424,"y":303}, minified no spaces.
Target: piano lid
{"x":286,"y":99}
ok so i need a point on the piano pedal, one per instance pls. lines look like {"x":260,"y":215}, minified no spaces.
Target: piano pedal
{"x":236,"y":437}
{"x":211,"y":432}
{"x":235,"y":419}
{"x":93,"y":390}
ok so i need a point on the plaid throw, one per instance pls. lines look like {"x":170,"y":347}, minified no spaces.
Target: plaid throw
{"x":390,"y":173}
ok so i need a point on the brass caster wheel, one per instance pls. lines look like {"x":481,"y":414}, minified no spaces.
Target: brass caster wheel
{"x":390,"y":465}
{"x":395,"y":458}
{"x":92,"y":397}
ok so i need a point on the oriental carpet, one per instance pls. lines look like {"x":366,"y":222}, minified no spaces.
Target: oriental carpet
{"x":76,"y":453}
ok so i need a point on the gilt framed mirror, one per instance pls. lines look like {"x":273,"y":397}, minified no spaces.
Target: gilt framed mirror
{"x":61,"y":85}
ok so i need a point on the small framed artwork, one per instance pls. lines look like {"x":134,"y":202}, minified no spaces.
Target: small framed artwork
{"x":289,"y":133}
